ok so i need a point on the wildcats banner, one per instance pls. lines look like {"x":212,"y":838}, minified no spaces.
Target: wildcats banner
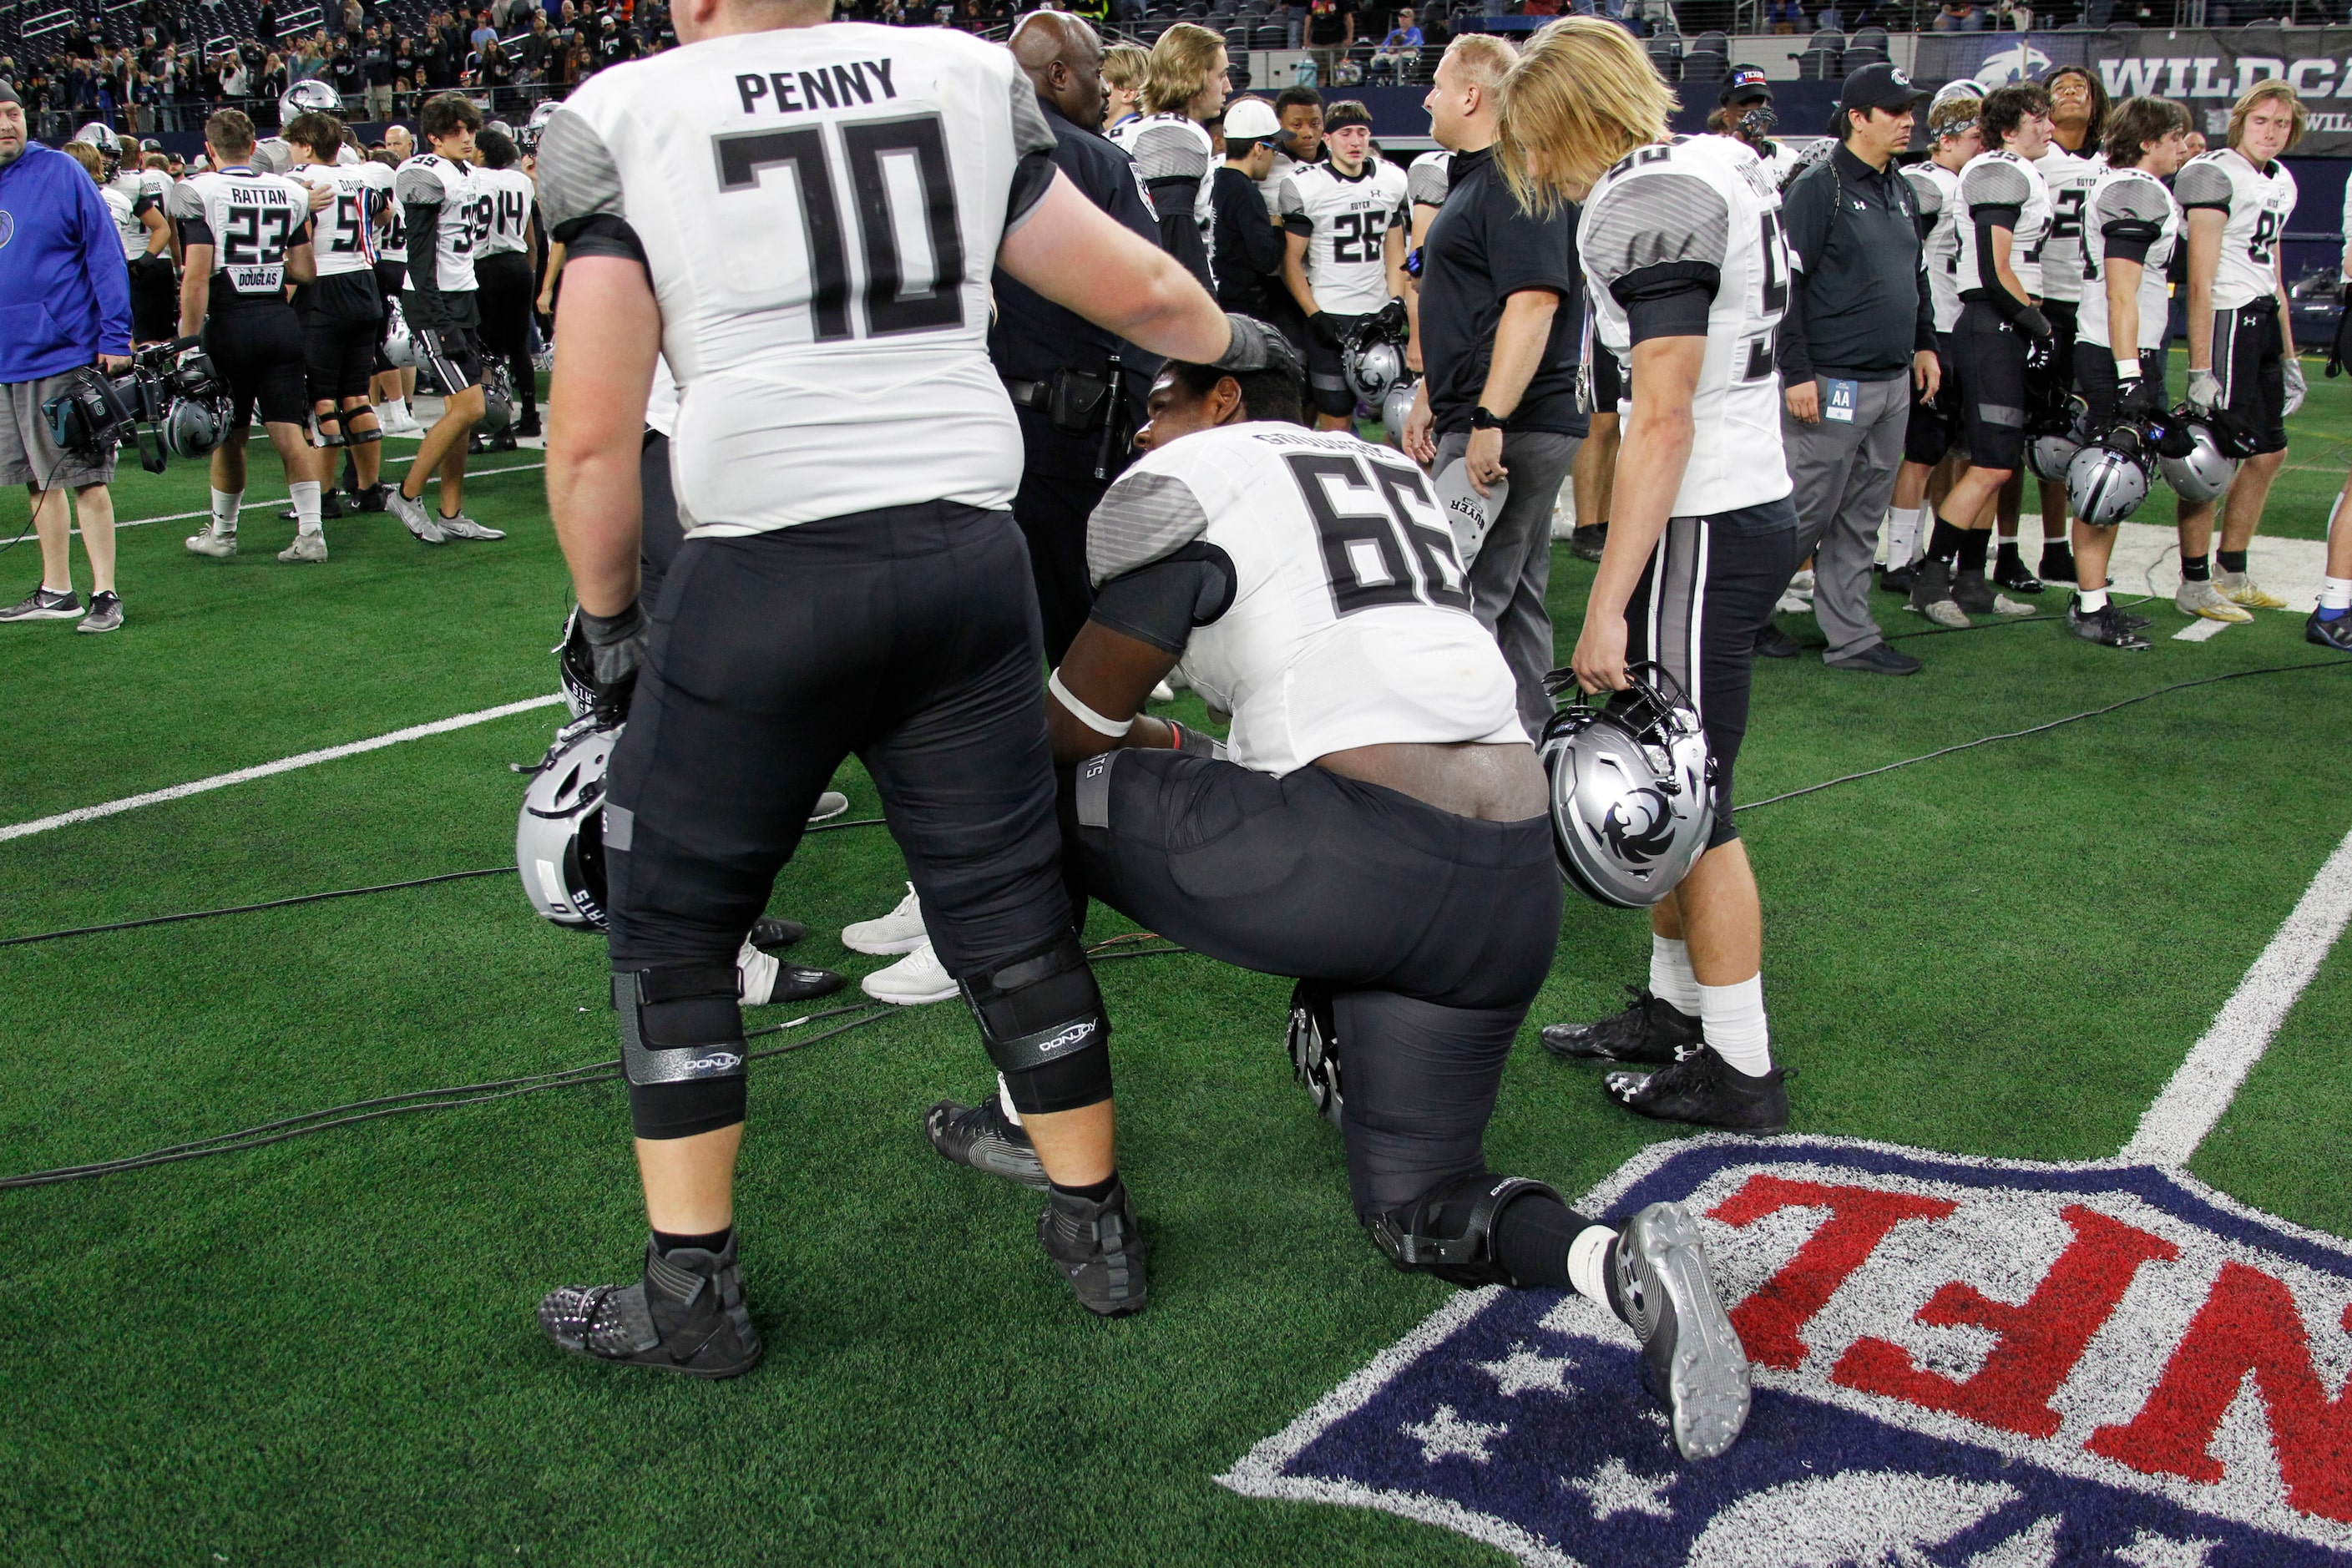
{"x":2203,"y":68}
{"x":1959,"y":1363}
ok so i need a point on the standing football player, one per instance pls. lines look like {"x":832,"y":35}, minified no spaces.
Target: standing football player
{"x":244,"y":237}
{"x":1953,"y":139}
{"x":502,"y":273}
{"x":135,"y":195}
{"x":1688,"y":277}
{"x":801,"y":218}
{"x":346,"y":310}
{"x":2068,"y":176}
{"x":2241,"y":342}
{"x":394,"y":384}
{"x":1346,"y":221}
{"x":446,"y":213}
{"x":1185,"y":88}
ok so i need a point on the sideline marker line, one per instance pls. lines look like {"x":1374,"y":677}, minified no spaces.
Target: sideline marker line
{"x":267,"y":770}
{"x":281,"y":502}
{"x":2202,"y":1088}
{"x":2200,"y":630}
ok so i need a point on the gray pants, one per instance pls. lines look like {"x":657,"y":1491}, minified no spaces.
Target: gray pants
{"x":1513,"y":572}
{"x":1844,"y":476}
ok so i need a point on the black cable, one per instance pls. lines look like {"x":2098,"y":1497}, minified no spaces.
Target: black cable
{"x":2039,"y":729}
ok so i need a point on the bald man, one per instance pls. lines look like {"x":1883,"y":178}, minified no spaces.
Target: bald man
{"x":1075,"y":432}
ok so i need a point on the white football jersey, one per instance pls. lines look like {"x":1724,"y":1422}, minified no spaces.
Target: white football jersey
{"x":1175,"y":159}
{"x":1936,"y":190}
{"x":1428,"y":179}
{"x":2068,"y":179}
{"x":2128,"y":206}
{"x":2004,"y":180}
{"x":819,"y":210}
{"x":430,"y":180}
{"x":2258,"y":203}
{"x":344,"y":229}
{"x":1702,"y":201}
{"x":512,"y":193}
{"x":130,"y":197}
{"x":1350,"y":621}
{"x":391,"y":243}
{"x":1346,"y":223}
{"x":251,"y":221}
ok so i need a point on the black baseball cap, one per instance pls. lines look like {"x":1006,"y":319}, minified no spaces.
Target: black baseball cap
{"x":1745,"y":85}
{"x":1879,"y":87}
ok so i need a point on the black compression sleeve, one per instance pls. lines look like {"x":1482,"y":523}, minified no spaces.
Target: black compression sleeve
{"x":602,"y":233}
{"x":1668,"y":300}
{"x":1989,"y":218}
{"x":424,"y":221}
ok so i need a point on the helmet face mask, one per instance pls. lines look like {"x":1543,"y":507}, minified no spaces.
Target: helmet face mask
{"x":1631,"y":786}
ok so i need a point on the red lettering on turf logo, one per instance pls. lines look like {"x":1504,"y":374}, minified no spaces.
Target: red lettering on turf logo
{"x":2248,"y":1325}
{"x":1771,"y":1321}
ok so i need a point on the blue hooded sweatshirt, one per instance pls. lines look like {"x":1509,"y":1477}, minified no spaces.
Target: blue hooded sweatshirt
{"x":65,"y":294}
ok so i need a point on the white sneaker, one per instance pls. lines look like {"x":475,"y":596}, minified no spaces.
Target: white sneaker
{"x":398,"y":422}
{"x":900,"y":931}
{"x":464,"y":527}
{"x":829,"y":805}
{"x":306,"y":547}
{"x":219,"y":546}
{"x":2002,"y":604}
{"x":413,"y":517}
{"x":1163,"y":692}
{"x":1801,"y":584}
{"x":2204,"y":599}
{"x":912,"y":981}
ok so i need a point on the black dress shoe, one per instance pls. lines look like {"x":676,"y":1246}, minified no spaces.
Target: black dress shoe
{"x":1774,"y":643}
{"x":1876,"y":660}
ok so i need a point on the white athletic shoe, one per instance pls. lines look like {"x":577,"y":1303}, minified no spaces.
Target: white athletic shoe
{"x":397,"y":421}
{"x":306,"y":547}
{"x":413,"y":516}
{"x":464,"y":527}
{"x":829,"y":805}
{"x":2206,"y":600}
{"x":1163,"y":692}
{"x":219,"y":546}
{"x":912,"y":981}
{"x":2002,"y":604}
{"x":900,"y":931}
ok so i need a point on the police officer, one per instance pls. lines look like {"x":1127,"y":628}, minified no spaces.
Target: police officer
{"x":1077,"y":390}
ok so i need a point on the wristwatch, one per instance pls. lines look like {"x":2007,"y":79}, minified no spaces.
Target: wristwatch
{"x":1481,"y":420}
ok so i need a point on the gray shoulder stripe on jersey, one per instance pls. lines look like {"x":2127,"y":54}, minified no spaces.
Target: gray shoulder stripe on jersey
{"x":1145,"y":517}
{"x":2125,"y":200}
{"x":1168,"y":153}
{"x":1288,"y":200}
{"x":186,"y":201}
{"x":577,"y":175}
{"x":1655,"y":219}
{"x":1995,"y":186}
{"x":1426,"y":184}
{"x":1031,"y":132}
{"x":1925,"y":191}
{"x":2203,"y":184}
{"x":420,"y":188}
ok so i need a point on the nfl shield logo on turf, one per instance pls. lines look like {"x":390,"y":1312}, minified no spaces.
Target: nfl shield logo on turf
{"x":1960,"y":1363}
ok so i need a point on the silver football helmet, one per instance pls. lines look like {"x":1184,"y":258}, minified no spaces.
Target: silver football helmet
{"x":399,"y":349}
{"x":532,"y":132}
{"x":498,"y":400}
{"x":1396,"y":405}
{"x":560,"y":837}
{"x":307,"y":96}
{"x":1631,"y":788}
{"x":1372,"y":365}
{"x":2049,"y":455}
{"x":1314,"y":1048}
{"x":2108,"y":479}
{"x":2204,"y":472}
{"x":195,"y":427}
{"x":100,"y":135}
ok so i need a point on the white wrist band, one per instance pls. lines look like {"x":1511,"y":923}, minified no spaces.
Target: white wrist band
{"x":1083,"y":714}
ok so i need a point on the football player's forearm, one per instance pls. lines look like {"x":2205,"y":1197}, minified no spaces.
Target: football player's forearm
{"x":2204,"y":261}
{"x":194,"y":283}
{"x":1520,"y":338}
{"x":2123,"y":312}
{"x":611,"y":330}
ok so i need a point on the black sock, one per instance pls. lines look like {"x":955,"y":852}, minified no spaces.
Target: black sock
{"x":1531,"y":1238}
{"x":1093,"y":1192}
{"x":1974,"y":543}
{"x":1945,"y":542}
{"x":2193,"y":569}
{"x":714,"y":1243}
{"x":2231,"y":560}
{"x":2008,"y":556}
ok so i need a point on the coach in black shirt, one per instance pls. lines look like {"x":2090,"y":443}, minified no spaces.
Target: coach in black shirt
{"x":1057,"y":366}
{"x":1502,"y":310}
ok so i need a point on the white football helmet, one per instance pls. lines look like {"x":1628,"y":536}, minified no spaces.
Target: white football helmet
{"x":307,"y":96}
{"x":560,"y":837}
{"x":399,"y":350}
{"x":1631,"y":788}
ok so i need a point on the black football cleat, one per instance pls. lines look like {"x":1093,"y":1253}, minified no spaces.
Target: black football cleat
{"x":1587,"y":542}
{"x":686,"y":1315}
{"x":2009,"y":572}
{"x":2105,"y":627}
{"x":981,"y":1137}
{"x":2335,"y":634}
{"x":1649,"y":1031}
{"x":771,"y":934}
{"x":1098,"y":1249}
{"x":2058,"y":563}
{"x":1704,"y":1090}
{"x":1692,"y":1360}
{"x":1899,"y":580}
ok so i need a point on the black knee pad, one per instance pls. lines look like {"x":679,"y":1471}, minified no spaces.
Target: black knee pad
{"x":681,"y":1048}
{"x":1450,"y":1231}
{"x":1043,"y":1021}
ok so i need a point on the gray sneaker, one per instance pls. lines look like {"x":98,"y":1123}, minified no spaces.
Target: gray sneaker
{"x":213,"y":542}
{"x":464,"y":527}
{"x":105,"y":612}
{"x":1691,"y":1357}
{"x":306,"y":547}
{"x":415,"y":517}
{"x":41,"y":605}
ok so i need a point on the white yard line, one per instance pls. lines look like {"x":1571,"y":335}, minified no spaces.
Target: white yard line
{"x":2200,"y":630}
{"x":281,"y":502}
{"x":265,"y":770}
{"x":2192,"y":1103}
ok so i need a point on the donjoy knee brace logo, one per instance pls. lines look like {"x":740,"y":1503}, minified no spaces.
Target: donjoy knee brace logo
{"x":715,"y":1063}
{"x":1075,"y":1036}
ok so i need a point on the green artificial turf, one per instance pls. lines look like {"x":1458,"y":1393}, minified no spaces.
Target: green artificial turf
{"x":323,"y":1351}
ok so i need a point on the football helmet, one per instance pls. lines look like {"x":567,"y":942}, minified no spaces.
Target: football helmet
{"x":1631,"y":788}
{"x":100,"y":135}
{"x":2202,"y":472}
{"x":1313,"y":1047}
{"x":399,"y":349}
{"x":307,"y":97}
{"x":2054,"y":440}
{"x":1396,"y":405}
{"x":2108,"y":478}
{"x":559,"y":836}
{"x":1371,"y":357}
{"x":195,"y":427}
{"x":537,"y":125}
{"x":498,"y":400}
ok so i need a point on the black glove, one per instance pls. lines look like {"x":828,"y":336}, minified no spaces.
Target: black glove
{"x":2138,"y":395}
{"x":1391,"y":321}
{"x":1326,"y":328}
{"x":2033,"y":323}
{"x":600,"y":658}
{"x":1256,"y":346}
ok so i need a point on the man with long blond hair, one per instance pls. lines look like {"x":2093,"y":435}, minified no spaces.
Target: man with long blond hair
{"x":1183,"y":89}
{"x":1688,"y":277}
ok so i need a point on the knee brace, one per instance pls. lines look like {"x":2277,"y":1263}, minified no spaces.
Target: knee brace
{"x":681,"y":1048}
{"x":1450,"y":1231}
{"x":363,"y":438}
{"x":1043,"y":1021}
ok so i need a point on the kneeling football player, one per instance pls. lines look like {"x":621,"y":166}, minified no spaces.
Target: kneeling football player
{"x":1378,"y":830}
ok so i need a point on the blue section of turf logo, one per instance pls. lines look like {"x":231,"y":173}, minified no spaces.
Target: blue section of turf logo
{"x":1968,"y":1365}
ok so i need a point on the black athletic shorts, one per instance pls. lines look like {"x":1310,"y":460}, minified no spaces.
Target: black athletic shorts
{"x":503,"y":290}
{"x":1929,"y":434}
{"x":2094,"y":377}
{"x":258,"y":351}
{"x":1710,"y":587}
{"x":1989,"y":355}
{"x":1608,"y":381}
{"x":2250,"y":356}
{"x":449,"y":358}
{"x":1327,"y":377}
{"x":1431,"y":932}
{"x":907,"y":635}
{"x":341,"y":331}
{"x":154,"y":299}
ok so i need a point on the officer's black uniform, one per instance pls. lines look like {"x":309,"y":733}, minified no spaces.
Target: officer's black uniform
{"x":1057,"y":366}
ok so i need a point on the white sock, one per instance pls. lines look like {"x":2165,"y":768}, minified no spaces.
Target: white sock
{"x":304,"y":494}
{"x":226,"y":504}
{"x":1732,"y":1017}
{"x":2336,"y":592}
{"x":1903,"y":525}
{"x":2094,"y":600}
{"x":1671,"y":980}
{"x":1586,"y":1255}
{"x":1005,"y":1100}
